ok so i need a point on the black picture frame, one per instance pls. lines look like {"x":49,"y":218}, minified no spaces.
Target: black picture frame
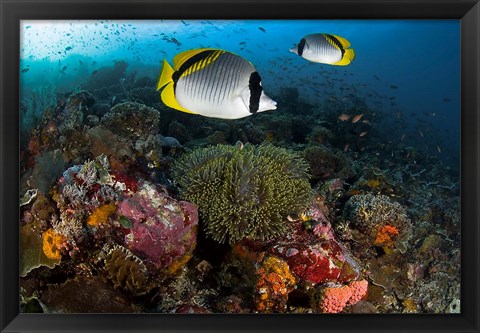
{"x":12,"y":11}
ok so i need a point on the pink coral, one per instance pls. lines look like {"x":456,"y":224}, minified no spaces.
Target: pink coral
{"x":163,"y":230}
{"x":359,"y":291}
{"x":334,"y":299}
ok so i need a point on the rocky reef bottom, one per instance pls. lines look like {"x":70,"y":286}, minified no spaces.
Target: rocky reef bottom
{"x":125,"y":212}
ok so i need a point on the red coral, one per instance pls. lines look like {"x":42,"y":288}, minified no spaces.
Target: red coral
{"x":318,"y":262}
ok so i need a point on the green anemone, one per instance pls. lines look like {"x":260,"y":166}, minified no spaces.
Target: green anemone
{"x":244,"y":193}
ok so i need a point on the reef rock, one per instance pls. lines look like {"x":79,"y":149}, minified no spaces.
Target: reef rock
{"x":308,"y":260}
{"x":163,"y":230}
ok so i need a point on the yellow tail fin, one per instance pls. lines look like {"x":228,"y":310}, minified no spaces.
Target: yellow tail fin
{"x":347,"y":58}
{"x":166,"y":75}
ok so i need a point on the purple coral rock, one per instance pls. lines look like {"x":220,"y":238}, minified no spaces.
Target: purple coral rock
{"x":163,"y":229}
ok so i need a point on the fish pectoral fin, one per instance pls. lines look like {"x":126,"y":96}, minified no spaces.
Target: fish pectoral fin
{"x":166,"y":75}
{"x":347,"y":58}
{"x":345,"y":43}
{"x":168,"y":97}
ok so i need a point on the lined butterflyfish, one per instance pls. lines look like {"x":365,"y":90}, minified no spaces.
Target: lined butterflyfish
{"x":325,"y":48}
{"x":213,"y":83}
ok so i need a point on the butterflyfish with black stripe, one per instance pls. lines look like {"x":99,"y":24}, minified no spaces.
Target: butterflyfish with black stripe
{"x":213,"y":83}
{"x":325,"y":48}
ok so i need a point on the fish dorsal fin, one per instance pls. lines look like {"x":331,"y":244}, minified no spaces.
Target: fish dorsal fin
{"x":346,"y":59}
{"x":330,"y":39}
{"x":181,"y":58}
{"x":165,"y":76}
{"x":345,"y":43}
{"x":168,"y":97}
{"x":198,"y":61}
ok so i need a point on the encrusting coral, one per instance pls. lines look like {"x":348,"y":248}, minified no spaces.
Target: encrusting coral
{"x":101,"y":215}
{"x":244,"y":192}
{"x":275,"y":282}
{"x":52,"y":242}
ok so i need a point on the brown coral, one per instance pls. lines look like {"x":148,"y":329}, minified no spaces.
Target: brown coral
{"x":125,"y":270}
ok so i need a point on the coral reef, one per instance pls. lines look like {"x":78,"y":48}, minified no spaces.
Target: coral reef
{"x":125,"y":270}
{"x":80,"y":192}
{"x":275,"y":282}
{"x":332,"y":299}
{"x":315,"y":259}
{"x":103,"y":228}
{"x":325,"y":163}
{"x":49,"y":166}
{"x":244,"y":193}
{"x":101,"y":214}
{"x":163,"y":230}
{"x":132,"y":120}
{"x":302,"y":263}
{"x":52,"y":243}
{"x":31,"y":250}
{"x":381,"y":220}
{"x":42,"y":100}
{"x":86,"y":294}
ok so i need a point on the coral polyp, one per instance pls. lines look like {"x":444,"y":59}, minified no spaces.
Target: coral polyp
{"x":244,"y":193}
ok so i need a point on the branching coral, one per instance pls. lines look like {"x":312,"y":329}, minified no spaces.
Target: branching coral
{"x":80,"y":192}
{"x":383,"y":221}
{"x":133,"y":120}
{"x":244,"y":193}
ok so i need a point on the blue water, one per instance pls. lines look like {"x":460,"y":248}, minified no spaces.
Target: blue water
{"x":408,"y":71}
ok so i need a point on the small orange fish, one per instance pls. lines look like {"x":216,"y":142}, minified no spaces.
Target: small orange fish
{"x":362,"y":134}
{"x":357,"y":118}
{"x":366,"y":122}
{"x":344,"y":117}
{"x":346,"y":147}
